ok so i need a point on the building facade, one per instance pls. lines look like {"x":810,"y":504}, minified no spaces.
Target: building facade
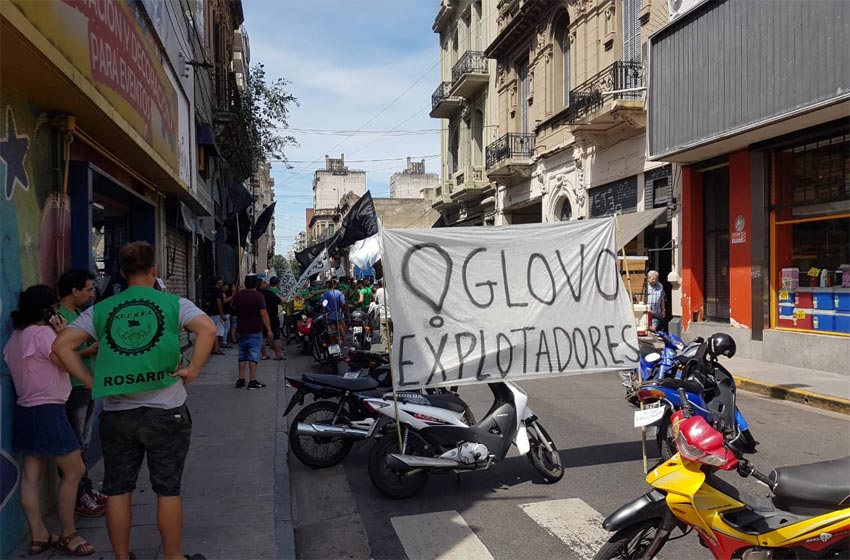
{"x":765,"y":158}
{"x":103,"y":141}
{"x":467,"y":104}
{"x":261,"y":186}
{"x":330,"y":187}
{"x":410,"y":182}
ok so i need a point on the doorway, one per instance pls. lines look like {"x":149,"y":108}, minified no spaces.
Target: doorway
{"x":716,"y":243}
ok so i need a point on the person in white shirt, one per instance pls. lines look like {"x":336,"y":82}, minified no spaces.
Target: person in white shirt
{"x":383,"y":311}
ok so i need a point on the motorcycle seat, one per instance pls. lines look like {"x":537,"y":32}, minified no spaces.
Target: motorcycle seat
{"x":337,"y":382}
{"x":688,"y":385}
{"x":448,"y":401}
{"x":824,"y":484}
{"x":375,"y":356}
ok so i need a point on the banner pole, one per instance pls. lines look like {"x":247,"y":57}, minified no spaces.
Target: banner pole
{"x":389,"y":346}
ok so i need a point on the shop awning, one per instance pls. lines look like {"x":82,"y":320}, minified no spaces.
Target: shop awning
{"x":630,"y":225}
{"x":204,"y":136}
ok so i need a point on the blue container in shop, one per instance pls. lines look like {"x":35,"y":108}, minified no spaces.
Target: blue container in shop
{"x":823,"y":320}
{"x":823,"y":298}
{"x":842,"y":322}
{"x":841,"y":298}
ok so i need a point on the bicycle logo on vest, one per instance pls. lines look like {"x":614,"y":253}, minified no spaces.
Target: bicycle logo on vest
{"x":135,"y":327}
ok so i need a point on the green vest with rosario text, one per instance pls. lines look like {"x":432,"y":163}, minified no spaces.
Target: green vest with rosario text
{"x":139,"y":334}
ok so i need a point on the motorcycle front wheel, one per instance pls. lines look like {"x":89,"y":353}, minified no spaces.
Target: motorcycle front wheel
{"x":319,"y":452}
{"x":664,"y":438}
{"x":629,"y":543}
{"x":392,"y":483}
{"x":547,"y":463}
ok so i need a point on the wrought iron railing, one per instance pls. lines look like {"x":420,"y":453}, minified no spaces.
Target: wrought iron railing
{"x":472,"y":62}
{"x":511,"y":145}
{"x":441,"y":93}
{"x":619,"y":76}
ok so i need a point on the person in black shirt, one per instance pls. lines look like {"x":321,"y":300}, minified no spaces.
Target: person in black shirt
{"x":272,"y":305}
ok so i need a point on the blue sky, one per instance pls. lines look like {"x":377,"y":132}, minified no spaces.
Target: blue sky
{"x":347,"y":60}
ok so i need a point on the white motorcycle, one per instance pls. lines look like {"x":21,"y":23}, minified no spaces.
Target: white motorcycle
{"x":440,"y":436}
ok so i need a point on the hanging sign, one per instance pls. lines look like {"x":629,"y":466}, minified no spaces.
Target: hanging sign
{"x":477,"y":305}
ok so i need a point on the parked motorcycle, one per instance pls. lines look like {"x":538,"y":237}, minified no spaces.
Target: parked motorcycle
{"x":710,"y":391}
{"x":323,"y":432}
{"x":436,"y":438}
{"x":361,"y":330}
{"x":659,"y":365}
{"x":810,"y":517}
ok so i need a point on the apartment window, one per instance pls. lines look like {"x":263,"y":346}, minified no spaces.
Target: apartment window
{"x":522,"y":72}
{"x":631,"y":30}
{"x":477,"y":137}
{"x":454,"y":145}
{"x":562,"y":78}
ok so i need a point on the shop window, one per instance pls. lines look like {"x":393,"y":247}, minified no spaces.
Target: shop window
{"x":810,"y":236}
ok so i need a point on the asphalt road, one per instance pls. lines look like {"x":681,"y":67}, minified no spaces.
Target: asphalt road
{"x":507,"y":513}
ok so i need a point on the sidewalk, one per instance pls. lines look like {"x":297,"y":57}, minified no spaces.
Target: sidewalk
{"x":821,"y":389}
{"x":236,"y":496}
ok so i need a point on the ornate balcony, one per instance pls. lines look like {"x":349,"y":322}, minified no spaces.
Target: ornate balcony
{"x":610,"y":103}
{"x":510,"y":157}
{"x":443,"y":196}
{"x":470,"y":183}
{"x":469,"y":74}
{"x":444,"y":105}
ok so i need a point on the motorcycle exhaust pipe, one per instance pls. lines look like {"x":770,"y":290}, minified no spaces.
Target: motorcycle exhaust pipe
{"x":327,"y":430}
{"x":411,"y":462}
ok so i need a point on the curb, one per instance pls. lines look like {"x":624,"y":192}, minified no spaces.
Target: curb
{"x":816,"y":400}
{"x":283,"y":496}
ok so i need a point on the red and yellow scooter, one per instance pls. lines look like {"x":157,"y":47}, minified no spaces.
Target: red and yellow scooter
{"x":810,"y":517}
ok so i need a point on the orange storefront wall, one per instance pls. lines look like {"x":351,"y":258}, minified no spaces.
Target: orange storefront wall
{"x":740,"y":248}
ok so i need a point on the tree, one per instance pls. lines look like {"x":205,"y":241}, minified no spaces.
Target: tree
{"x":279,"y":262}
{"x":263,"y":113}
{"x":296,"y":268}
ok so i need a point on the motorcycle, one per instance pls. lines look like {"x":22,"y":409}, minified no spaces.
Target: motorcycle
{"x":438,"y":438}
{"x":361,"y":330}
{"x":810,"y":517}
{"x":323,"y":432}
{"x":655,"y":365}
{"x":304,"y":331}
{"x":709,"y":389}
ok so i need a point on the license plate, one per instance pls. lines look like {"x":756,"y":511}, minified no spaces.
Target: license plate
{"x":357,"y":330}
{"x":649,"y":415}
{"x":333,"y":349}
{"x":351,"y":374}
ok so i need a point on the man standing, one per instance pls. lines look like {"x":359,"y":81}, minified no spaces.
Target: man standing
{"x":273,"y":302}
{"x":251,"y":317}
{"x":383,"y":312}
{"x":657,"y":300}
{"x":76,"y":290}
{"x":138,"y":373}
{"x":215,"y":309}
{"x":365,"y":296}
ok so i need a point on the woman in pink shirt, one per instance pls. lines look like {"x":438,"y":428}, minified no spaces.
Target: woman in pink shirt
{"x":41,"y":427}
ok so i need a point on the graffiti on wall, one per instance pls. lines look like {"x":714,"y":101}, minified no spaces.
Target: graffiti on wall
{"x":27,"y":174}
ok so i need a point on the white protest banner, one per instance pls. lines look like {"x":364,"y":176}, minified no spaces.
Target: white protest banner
{"x":288,"y":284}
{"x":483,"y":304}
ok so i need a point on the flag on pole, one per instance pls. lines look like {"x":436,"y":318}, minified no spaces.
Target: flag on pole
{"x":319,"y":264}
{"x":262,"y":223}
{"x":288,"y":284}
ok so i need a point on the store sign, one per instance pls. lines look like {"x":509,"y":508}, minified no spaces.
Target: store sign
{"x":110,"y":45}
{"x":740,"y":234}
{"x":615,"y":198}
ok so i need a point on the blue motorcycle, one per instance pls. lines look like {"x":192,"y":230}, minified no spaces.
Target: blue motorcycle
{"x":709,"y":387}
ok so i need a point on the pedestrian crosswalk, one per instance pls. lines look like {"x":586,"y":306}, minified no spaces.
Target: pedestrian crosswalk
{"x":445,"y":535}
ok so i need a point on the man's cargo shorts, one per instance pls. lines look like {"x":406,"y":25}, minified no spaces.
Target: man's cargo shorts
{"x":127,"y":435}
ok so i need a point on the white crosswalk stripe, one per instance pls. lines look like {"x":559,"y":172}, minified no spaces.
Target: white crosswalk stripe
{"x":575,"y":523}
{"x":445,"y":535}
{"x":442,"y":535}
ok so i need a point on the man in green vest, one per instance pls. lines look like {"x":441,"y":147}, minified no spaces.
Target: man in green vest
{"x":76,"y":290}
{"x":139,"y":376}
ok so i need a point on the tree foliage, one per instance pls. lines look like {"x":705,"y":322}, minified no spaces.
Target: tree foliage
{"x":279,"y":262}
{"x":264,"y":109}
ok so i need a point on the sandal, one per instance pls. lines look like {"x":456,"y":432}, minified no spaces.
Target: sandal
{"x":82,"y":549}
{"x":37,"y":547}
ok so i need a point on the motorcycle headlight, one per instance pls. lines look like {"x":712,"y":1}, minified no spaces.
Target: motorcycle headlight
{"x":697,"y":455}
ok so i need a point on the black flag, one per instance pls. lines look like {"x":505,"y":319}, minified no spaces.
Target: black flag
{"x":262,"y":223}
{"x":309,"y":254}
{"x":360,"y":222}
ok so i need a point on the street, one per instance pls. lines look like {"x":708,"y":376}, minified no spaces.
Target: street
{"x":508,"y":512}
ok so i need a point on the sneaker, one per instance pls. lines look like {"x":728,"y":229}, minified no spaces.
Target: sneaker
{"x":240,"y":383}
{"x":98,"y":497}
{"x":255,"y":385}
{"x":87,"y":507}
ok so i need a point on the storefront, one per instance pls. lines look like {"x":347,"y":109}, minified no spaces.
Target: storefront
{"x":810,"y":234}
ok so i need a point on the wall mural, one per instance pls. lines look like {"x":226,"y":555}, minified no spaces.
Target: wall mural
{"x":27,"y":174}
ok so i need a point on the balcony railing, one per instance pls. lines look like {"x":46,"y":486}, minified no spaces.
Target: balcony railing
{"x":472,"y":62}
{"x":619,"y":76}
{"x":440,"y":94}
{"x":511,"y":145}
